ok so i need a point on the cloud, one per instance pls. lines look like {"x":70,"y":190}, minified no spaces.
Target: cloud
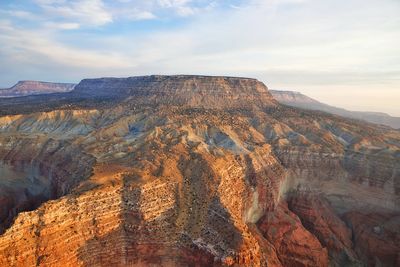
{"x":62,"y":26}
{"x":98,"y":13}
{"x":5,"y":25}
{"x":181,"y":7}
{"x":141,"y":15}
{"x":20,"y":14}
{"x":164,"y":8}
{"x":87,"y":12}
{"x":26,"y":48}
{"x":132,"y":13}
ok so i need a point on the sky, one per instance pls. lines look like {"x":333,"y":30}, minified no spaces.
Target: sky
{"x":342,"y":52}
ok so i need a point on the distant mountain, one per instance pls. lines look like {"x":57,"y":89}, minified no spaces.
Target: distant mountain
{"x":25,"y":88}
{"x":296,"y":99}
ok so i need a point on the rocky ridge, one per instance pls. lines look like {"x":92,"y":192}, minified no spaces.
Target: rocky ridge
{"x":297,"y":99}
{"x":161,"y":177}
{"x":25,"y":88}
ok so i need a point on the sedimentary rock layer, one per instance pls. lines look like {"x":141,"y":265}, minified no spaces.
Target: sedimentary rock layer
{"x":165,"y":176}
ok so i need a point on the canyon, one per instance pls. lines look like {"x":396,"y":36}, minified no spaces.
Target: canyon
{"x":191,"y":170}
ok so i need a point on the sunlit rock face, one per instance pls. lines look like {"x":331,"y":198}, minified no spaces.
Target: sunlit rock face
{"x":34,"y":169}
{"x":193,"y":171}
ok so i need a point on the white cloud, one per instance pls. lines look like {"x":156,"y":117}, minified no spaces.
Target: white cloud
{"x":20,"y":14}
{"x":5,"y":25}
{"x":62,"y":26}
{"x":87,"y":12}
{"x":181,"y":7}
{"x":141,"y":15}
{"x":168,"y":8}
{"x":95,"y":13}
{"x":132,"y":13}
{"x":173,"y":3}
{"x":38,"y":48}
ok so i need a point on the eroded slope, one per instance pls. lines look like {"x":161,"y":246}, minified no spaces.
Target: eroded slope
{"x":185,"y":184}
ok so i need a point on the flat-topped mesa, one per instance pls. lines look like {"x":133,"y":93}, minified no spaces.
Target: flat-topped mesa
{"x":186,"y":90}
{"x":25,"y":88}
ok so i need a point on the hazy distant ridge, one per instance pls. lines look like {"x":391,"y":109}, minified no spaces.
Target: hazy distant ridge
{"x":25,"y":88}
{"x":297,"y":99}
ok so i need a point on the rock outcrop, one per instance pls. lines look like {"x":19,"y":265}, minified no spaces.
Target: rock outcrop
{"x":180,"y":171}
{"x":295,"y":245}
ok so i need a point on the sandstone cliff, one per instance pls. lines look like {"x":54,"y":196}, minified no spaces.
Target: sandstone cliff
{"x":180,"y":171}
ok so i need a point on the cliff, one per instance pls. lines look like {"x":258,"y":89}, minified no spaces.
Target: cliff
{"x":194,"y":91}
{"x":179,"y":171}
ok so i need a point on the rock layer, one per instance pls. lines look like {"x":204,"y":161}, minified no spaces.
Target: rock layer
{"x":193,"y":91}
{"x":295,"y":245}
{"x":180,"y":171}
{"x":36,"y":169}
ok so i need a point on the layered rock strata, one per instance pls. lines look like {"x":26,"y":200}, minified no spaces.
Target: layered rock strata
{"x":180,"y":171}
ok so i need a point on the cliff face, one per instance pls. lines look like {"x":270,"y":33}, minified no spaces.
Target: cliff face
{"x":35,"y":166}
{"x":193,"y":91}
{"x":25,"y":88}
{"x":180,"y":171}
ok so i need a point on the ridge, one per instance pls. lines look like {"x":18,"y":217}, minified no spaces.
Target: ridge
{"x":187,"y":90}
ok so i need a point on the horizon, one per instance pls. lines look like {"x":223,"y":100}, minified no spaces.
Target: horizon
{"x":276,"y":89}
{"x":342,"y":53}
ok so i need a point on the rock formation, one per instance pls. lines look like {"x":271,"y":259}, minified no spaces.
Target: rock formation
{"x":192,"y":171}
{"x":25,"y":88}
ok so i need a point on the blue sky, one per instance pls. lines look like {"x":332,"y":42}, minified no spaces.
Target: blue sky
{"x":343,"y":52}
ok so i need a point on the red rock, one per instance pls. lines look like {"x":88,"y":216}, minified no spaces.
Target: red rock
{"x":376,"y":237}
{"x":295,"y":245}
{"x":320,"y":219}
